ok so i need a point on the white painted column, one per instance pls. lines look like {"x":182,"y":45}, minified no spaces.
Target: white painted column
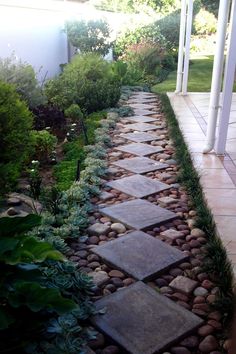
{"x":217,"y":75}
{"x":187,"y":46}
{"x":229,"y":76}
{"x":181,"y":46}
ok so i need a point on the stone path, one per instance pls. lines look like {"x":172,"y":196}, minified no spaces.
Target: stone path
{"x":144,"y":252}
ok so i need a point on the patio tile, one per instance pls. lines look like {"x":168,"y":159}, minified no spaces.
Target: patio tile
{"x":226,"y":226}
{"x":138,"y":186}
{"x":139,"y":149}
{"x":140,"y":119}
{"x":221,"y":201}
{"x":143,"y":127}
{"x":140,"y":164}
{"x":142,"y":106}
{"x":205,"y":161}
{"x":143,"y":321}
{"x":130,"y":254}
{"x":138,"y":214}
{"x":216,"y":178}
{"x":140,"y":137}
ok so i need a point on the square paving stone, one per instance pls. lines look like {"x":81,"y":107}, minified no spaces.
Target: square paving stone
{"x":140,"y":119}
{"x":138,"y":214}
{"x":142,"y":127}
{"x":140,"y":149}
{"x":131,"y":252}
{"x":140,"y":164}
{"x":140,"y":137}
{"x":143,"y":112}
{"x":142,"y":105}
{"x":143,"y":321}
{"x":138,"y":186}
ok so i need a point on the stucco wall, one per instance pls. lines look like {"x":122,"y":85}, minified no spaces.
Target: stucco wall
{"x":34,"y":36}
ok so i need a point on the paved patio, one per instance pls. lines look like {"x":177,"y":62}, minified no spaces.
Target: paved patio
{"x":218,"y":173}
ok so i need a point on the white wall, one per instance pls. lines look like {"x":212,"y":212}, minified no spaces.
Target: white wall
{"x":36,"y":36}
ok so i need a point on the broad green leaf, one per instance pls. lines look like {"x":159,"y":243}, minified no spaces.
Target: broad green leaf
{"x":7,"y":244}
{"x":31,"y":250}
{"x":38,"y":298}
{"x":18,"y":225}
{"x":5,"y":318}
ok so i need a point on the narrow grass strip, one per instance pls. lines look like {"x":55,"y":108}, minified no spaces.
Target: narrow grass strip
{"x":216,"y":263}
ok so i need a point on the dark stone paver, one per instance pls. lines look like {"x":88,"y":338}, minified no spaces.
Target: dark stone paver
{"x":143,"y":112}
{"x":138,"y":186}
{"x":140,"y":164}
{"x":141,"y":119}
{"x":142,"y":127}
{"x":143,"y":321}
{"x":131,"y":252}
{"x":138,"y":214}
{"x":140,"y":149}
{"x":140,"y":137}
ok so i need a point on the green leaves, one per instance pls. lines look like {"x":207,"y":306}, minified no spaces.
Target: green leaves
{"x":38,"y":298}
{"x":18,"y":225}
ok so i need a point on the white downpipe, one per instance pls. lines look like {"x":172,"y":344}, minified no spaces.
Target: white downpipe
{"x":187,"y":46}
{"x":217,"y":75}
{"x":181,"y":46}
{"x":228,"y":85}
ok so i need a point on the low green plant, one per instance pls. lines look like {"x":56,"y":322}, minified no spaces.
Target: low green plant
{"x":89,"y":36}
{"x":23,"y":76}
{"x":65,"y":171}
{"x":35,"y":180}
{"x":43,"y":144}
{"x":88,"y":81}
{"x":15,"y":138}
{"x":25,"y":300}
{"x":74,"y":113}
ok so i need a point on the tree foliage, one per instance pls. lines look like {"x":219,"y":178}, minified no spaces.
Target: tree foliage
{"x":90,"y":36}
{"x":23,"y":76}
{"x":15,"y":140}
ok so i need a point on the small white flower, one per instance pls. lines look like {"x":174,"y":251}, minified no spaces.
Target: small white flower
{"x":73,"y":125}
{"x":68,"y":134}
{"x":47,"y":128}
{"x":72,"y":130}
{"x":32,"y":170}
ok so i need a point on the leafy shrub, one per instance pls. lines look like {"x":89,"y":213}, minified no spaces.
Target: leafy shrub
{"x":90,"y":36}
{"x":169,"y":28}
{"x":22,"y":75}
{"x":88,"y":81}
{"x":25,"y":299}
{"x":133,"y":36}
{"x":15,"y":139}
{"x":211,"y":6}
{"x":43,"y":144}
{"x":136,"y":6}
{"x":205,"y":23}
{"x":50,"y":116}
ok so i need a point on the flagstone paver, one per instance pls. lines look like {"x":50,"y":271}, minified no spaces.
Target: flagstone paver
{"x":130,"y":254}
{"x":140,"y":149}
{"x":143,"y":112}
{"x":141,"y":119}
{"x":143,"y":321}
{"x":142,"y":127}
{"x":140,"y":164}
{"x":140,"y":137}
{"x":138,"y":186}
{"x":138,"y":214}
